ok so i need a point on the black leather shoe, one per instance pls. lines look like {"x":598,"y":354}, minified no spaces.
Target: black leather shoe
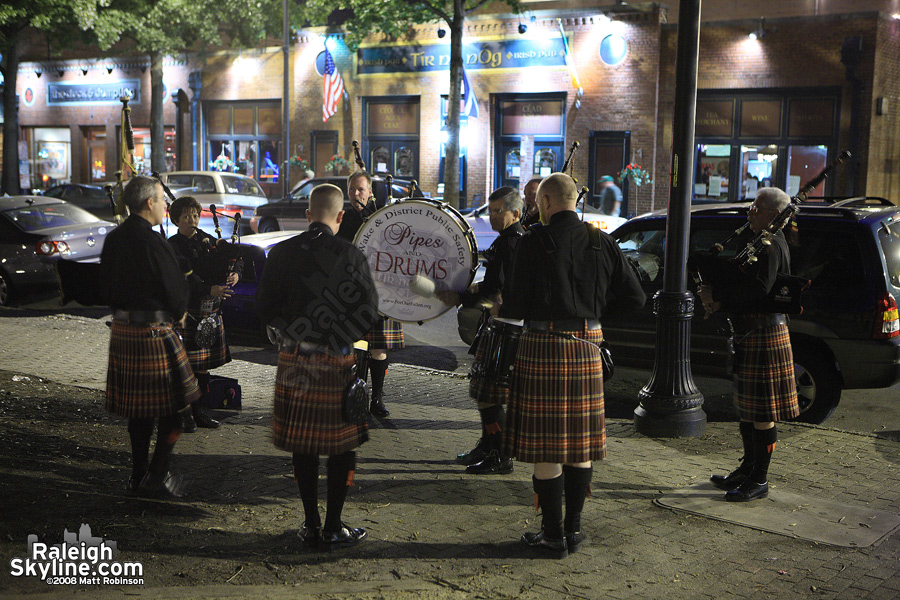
{"x":344,"y":538}
{"x":574,"y":541}
{"x":558,"y":548}
{"x":729,"y":482}
{"x":492,"y":464}
{"x":378,"y":409}
{"x":310,"y":536}
{"x":188,"y":424}
{"x":203,"y":419}
{"x":475,"y":455}
{"x":749,"y":490}
{"x":134,"y":483}
{"x":169,"y":485}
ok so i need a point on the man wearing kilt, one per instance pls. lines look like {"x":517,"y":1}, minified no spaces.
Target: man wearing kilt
{"x":317,"y":291}
{"x":149,"y":376}
{"x":504,"y":212}
{"x":566,"y":275}
{"x":387,"y":334}
{"x":204,"y":263}
{"x":765,"y":389}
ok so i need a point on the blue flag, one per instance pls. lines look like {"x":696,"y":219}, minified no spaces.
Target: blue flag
{"x":470,"y":102}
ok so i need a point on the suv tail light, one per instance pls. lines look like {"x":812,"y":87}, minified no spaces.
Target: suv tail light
{"x":887,"y":324}
{"x":51,"y":247}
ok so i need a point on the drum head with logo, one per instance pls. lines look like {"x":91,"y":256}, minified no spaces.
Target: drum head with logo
{"x":417,"y":237}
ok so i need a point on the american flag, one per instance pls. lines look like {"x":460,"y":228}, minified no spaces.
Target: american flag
{"x":334,"y":88}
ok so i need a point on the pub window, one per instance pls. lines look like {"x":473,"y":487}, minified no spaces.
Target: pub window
{"x":544,"y":161}
{"x":513,"y":164}
{"x":245,"y":138}
{"x":403,"y":160}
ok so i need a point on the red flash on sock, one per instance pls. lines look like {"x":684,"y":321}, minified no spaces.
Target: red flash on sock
{"x":350,"y":475}
{"x":537,"y":504}
{"x":492,"y":428}
{"x":770,"y":448}
{"x":173,"y":437}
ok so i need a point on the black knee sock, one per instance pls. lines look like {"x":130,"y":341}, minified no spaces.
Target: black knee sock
{"x":140,"y":431}
{"x":341,"y":469}
{"x":550,"y":498}
{"x":203,"y":382}
{"x":167,"y":433}
{"x":492,"y":426}
{"x":306,"y":472}
{"x":746,"y":428}
{"x":378,"y":369}
{"x":578,"y":484}
{"x":763,"y":446}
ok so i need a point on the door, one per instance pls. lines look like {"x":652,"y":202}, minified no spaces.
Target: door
{"x":400,"y":158}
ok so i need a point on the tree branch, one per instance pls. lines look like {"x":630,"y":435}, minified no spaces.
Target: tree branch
{"x":437,"y":10}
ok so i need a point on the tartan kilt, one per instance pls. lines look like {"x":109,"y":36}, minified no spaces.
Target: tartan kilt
{"x":204,"y":359}
{"x":387,"y":334}
{"x":555,"y":412}
{"x":764,"y":385}
{"x":149,"y":374}
{"x":481,"y":389}
{"x":309,"y":391}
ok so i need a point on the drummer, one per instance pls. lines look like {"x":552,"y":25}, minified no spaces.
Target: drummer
{"x":504,"y":209}
{"x":387,"y":333}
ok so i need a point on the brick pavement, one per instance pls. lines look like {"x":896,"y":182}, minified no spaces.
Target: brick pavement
{"x":443,"y":534}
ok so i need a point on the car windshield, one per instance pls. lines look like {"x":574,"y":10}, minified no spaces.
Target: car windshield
{"x":303,"y":191}
{"x":242,"y":186}
{"x":36,"y":218}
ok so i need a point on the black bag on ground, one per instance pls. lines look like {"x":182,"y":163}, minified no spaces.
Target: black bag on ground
{"x":355,"y":406}
{"x":224,"y":394}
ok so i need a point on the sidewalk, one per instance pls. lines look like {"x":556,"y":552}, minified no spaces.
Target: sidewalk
{"x":435,"y":532}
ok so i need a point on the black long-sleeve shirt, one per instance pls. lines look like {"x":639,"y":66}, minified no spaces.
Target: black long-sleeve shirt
{"x":747,"y":294}
{"x":317,"y":289}
{"x":557,"y":274}
{"x":498,"y":264}
{"x":353,"y":220}
{"x":206,"y":261}
{"x":139,"y":270}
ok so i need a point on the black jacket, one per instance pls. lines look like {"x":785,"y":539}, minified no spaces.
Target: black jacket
{"x":353,"y":220}
{"x":747,"y":294}
{"x":205,"y":262}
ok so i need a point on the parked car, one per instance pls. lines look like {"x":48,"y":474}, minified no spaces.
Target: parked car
{"x":35,"y":231}
{"x":290,"y":213}
{"x":480,"y":222}
{"x":92,"y":198}
{"x":848,"y":335}
{"x":228,"y":191}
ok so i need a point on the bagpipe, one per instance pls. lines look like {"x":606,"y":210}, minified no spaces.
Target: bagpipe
{"x":708,"y":268}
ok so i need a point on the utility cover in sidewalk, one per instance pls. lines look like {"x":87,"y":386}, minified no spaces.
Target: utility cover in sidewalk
{"x":793,"y":515}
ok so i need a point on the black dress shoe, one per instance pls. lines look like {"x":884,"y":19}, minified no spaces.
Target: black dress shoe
{"x":310,"y":536}
{"x":203,"y":419}
{"x":188,"y":424}
{"x":378,"y":409}
{"x":343,"y":538}
{"x":134,"y":483}
{"x":558,"y":548}
{"x":749,"y":490}
{"x":492,"y":464}
{"x":574,"y":541}
{"x":729,"y":482}
{"x":169,"y":485}
{"x":475,"y":455}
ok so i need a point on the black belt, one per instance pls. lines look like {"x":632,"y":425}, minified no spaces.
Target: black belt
{"x":142,"y":316}
{"x":748,"y":323}
{"x":563,"y":325}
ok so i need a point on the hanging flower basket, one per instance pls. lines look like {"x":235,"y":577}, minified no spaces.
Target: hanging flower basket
{"x":222,"y":163}
{"x":302,"y":163}
{"x":336,"y":164}
{"x":636,"y":173}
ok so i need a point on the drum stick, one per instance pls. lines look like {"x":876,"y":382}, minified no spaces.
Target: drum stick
{"x":422,"y":285}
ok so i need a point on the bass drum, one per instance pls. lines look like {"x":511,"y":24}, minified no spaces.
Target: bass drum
{"x":417,"y":237}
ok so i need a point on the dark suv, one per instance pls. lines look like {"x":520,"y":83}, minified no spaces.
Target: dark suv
{"x":290,"y":213}
{"x":848,"y":335}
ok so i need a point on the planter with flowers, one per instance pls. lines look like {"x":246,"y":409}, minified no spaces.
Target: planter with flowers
{"x":222,"y":163}
{"x":301,"y":163}
{"x":337,"y":164}
{"x":635,"y":173}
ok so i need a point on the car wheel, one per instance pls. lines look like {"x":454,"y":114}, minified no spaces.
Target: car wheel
{"x":267,"y":225}
{"x":6,"y":294}
{"x":818,"y":383}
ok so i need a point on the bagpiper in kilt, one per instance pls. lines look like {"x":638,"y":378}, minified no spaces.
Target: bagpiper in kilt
{"x":566,"y":275}
{"x":387,"y":334}
{"x":504,"y":210}
{"x":211,"y":267}
{"x":317,"y":291}
{"x":764,"y":386}
{"x":149,"y":377}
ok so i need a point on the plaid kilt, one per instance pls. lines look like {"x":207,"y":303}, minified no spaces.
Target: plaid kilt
{"x":387,"y":334}
{"x":764,"y":385}
{"x":149,"y":374}
{"x":555,"y":412}
{"x":309,"y":390}
{"x":482,"y":390}
{"x":204,"y":359}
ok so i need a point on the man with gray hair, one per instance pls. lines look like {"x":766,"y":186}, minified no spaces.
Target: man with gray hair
{"x":317,"y":290}
{"x":765,"y":389}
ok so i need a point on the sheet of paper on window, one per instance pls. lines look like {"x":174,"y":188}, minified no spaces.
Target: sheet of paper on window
{"x":715,"y":186}
{"x":516,"y":171}
{"x":699,"y":189}
{"x":381,"y":168}
{"x":545,"y":171}
{"x":793,"y":185}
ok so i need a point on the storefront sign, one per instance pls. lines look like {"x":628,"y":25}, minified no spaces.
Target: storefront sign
{"x":541,"y":117}
{"x":389,"y":118}
{"x":811,"y":117}
{"x":761,"y":118}
{"x":70,"y":94}
{"x":715,"y":118}
{"x":489,"y":54}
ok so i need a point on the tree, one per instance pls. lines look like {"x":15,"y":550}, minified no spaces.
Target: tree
{"x":394,"y":18}
{"x":16,"y":17}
